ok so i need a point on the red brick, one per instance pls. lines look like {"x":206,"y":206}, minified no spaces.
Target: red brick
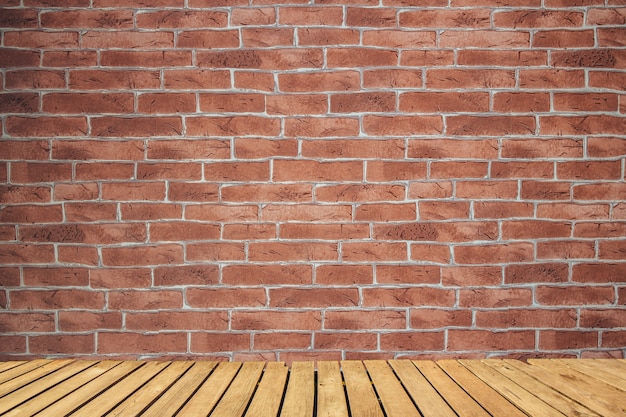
{"x":179,"y":231}
{"x":42,"y":126}
{"x":368,"y":17}
{"x":233,"y":126}
{"x":495,"y":298}
{"x":254,"y":80}
{"x":136,"y":127}
{"x":56,"y":344}
{"x":521,"y":102}
{"x":537,"y":272}
{"x":253,"y":274}
{"x":9,"y":277}
{"x":127,"y":40}
{"x":436,"y":189}
{"x":268,"y":193}
{"x":383,"y":171}
{"x":26,"y":254}
{"x":56,"y":277}
{"x":90,"y":212}
{"x":120,"y":278}
{"x":600,"y":229}
{"x":142,"y":255}
{"x":277,"y":320}
{"x":7,"y":233}
{"x":87,"y":19}
{"x":564,"y":339}
{"x":169,"y":171}
{"x":166,"y":103}
{"x":133,"y":191}
{"x":454,"y":169}
{"x":113,"y":79}
{"x":98,"y":150}
{"x":268,"y":59}
{"x":392,"y":37}
{"x":57,"y":299}
{"x":25,"y":150}
{"x":374,"y":251}
{"x":408,"y":297}
{"x":282,"y":340}
{"x":188,"y":149}
{"x":83,"y":191}
{"x":435,"y":231}
{"x":362,"y":102}
{"x":551,"y":79}
{"x":600,"y":191}
{"x":319,"y":81}
{"x":15,"y":58}
{"x":251,"y":148}
{"x":405,"y":274}
{"x":486,"y":189}
{"x":445,"y":18}
{"x":484,"y":340}
{"x":253,"y":16}
{"x":40,"y":40}
{"x":219,"y":342}
{"x":545,"y":190}
{"x":599,"y":147}
{"x":266,"y":37}
{"x":613,"y":338}
{"x":85,"y":321}
{"x":464,"y":40}
{"x":412,"y":341}
{"x":225,"y":297}
{"x":538,"y":19}
{"x":24,"y":194}
{"x":69,"y":59}
{"x":427,"y":58}
{"x":221,"y":213}
{"x":522,"y":170}
{"x":361,"y":57}
{"x":360,"y":193}
{"x":32,"y":214}
{"x":611,"y":36}
{"x":126,"y":342}
{"x":13,"y":344}
{"x":535,"y":229}
{"x":442,"y":210}
{"x":573,"y":211}
{"x":249,"y":231}
{"x":530,"y":318}
{"x":281,"y":252}
{"x":177,"y":320}
{"x":490,"y":126}
{"x":18,"y":18}
{"x":181,"y":18}
{"x":324,"y":231}
{"x":346,"y":341}
{"x":494,"y":254}
{"x":19,"y":103}
{"x":72,"y":103}
{"x":365,"y":320}
{"x":469,"y":78}
{"x":392,"y":78}
{"x":195,"y":79}
{"x":311,"y":16}
{"x":449,"y":148}
{"x":593,"y":170}
{"x":430,"y":318}
{"x":563,"y":39}
{"x":436,"y":102}
{"x":321,"y":127}
{"x":293,"y":104}
{"x":228,"y":103}
{"x":310,"y":170}
{"x":607,"y":319}
{"x":186,"y":275}
{"x":382,"y":212}
{"x":612,"y":249}
{"x":34,"y":79}
{"x":29,"y":172}
{"x":313,"y":297}
{"x":362,"y":149}
{"x":27,"y":322}
{"x":574,"y":295}
{"x":402,"y":125}
{"x":596,"y":58}
{"x":145,"y":300}
{"x":342,"y":274}
{"x":218,"y":251}
{"x":81,"y":255}
{"x":106,"y":170}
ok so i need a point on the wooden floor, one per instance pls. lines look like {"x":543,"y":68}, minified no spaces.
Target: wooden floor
{"x":401,"y":388}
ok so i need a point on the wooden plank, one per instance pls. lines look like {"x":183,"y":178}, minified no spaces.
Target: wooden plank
{"x":523,"y":399}
{"x":362,"y":398}
{"x":32,"y":376}
{"x":428,"y":400}
{"x":459,"y":400}
{"x":574,"y":388}
{"x":4,"y":366}
{"x":608,"y":375}
{"x":209,"y":393}
{"x":91,"y":389}
{"x":300,"y":394}
{"x":394,"y":398}
{"x":21,"y":370}
{"x":238,"y":395}
{"x":29,"y":391}
{"x":118,"y":392}
{"x":547,"y":394}
{"x":174,"y":398}
{"x":41,"y":401}
{"x":139,"y":400}
{"x":595,"y":388}
{"x":610,"y":365}
{"x":269,"y":394}
{"x":331,"y":398}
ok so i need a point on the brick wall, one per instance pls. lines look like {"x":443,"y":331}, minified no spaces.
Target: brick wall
{"x":244,"y":179}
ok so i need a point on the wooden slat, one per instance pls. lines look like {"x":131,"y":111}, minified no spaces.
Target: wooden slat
{"x":31,"y":376}
{"x":459,"y":400}
{"x":134,"y":404}
{"x":484,"y":395}
{"x":362,"y":398}
{"x":605,"y":374}
{"x":239,"y":394}
{"x":549,"y":395}
{"x":428,"y":400}
{"x":269,"y":395}
{"x":91,"y":389}
{"x":523,"y":399}
{"x":395,"y":400}
{"x":331,"y":398}
{"x":174,"y":398}
{"x":300,"y":394}
{"x":27,"y":392}
{"x":205,"y":398}
{"x":574,"y":388}
{"x":41,"y":401}
{"x":9,"y":365}
{"x":21,"y":370}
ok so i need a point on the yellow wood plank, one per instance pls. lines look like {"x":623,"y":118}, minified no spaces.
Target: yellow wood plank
{"x":269,"y":395}
{"x":238,"y":395}
{"x":608,"y":375}
{"x":484,"y":395}
{"x":614,"y":366}
{"x":455,"y":396}
{"x":516,"y":394}
{"x":331,"y":398}
{"x":362,"y":398}
{"x":300,"y":394}
{"x":600,"y":397}
{"x":209,"y":393}
{"x":428,"y":400}
{"x":395,"y":400}
{"x":571,"y":388}
{"x":547,"y":394}
{"x":91,"y":389}
{"x":41,"y":401}
{"x":32,"y":376}
{"x":22,"y":369}
{"x":173,"y":399}
{"x":31,"y":390}
{"x":141,"y":398}
{"x":10,"y":364}
{"x":118,"y":392}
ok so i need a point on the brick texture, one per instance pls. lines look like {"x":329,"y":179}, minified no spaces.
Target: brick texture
{"x":312,"y":179}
